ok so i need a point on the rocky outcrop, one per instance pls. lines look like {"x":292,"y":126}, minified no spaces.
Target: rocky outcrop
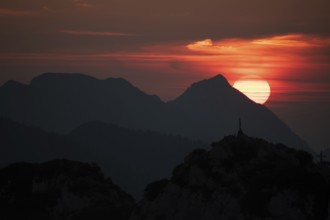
{"x":60,"y":189}
{"x":239,"y":178}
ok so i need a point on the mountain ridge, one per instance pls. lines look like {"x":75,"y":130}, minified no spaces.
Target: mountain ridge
{"x":210,"y":104}
{"x":207,"y":110}
{"x":132,"y":158}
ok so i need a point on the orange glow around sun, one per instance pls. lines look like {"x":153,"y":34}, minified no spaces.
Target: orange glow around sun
{"x":260,"y":55}
{"x":278,"y":60}
{"x":286,"y":62}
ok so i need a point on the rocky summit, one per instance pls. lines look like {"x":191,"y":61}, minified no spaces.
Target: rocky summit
{"x":240,"y":178}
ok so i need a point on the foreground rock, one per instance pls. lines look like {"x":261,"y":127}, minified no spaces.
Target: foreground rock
{"x":60,"y":189}
{"x":239,"y":178}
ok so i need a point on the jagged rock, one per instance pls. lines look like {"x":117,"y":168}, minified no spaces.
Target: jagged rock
{"x":60,"y":189}
{"x":240,"y":178}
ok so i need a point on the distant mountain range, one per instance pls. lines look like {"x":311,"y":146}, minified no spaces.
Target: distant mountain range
{"x":206,"y":111}
{"x":62,"y":102}
{"x":132,"y":158}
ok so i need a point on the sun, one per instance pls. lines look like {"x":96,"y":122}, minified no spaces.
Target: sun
{"x":258,"y":90}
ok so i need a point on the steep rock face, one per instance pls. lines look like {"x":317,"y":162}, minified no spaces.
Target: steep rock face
{"x":60,"y":189}
{"x":239,"y":178}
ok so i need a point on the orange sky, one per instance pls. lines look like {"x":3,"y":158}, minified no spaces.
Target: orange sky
{"x":164,"y":46}
{"x":287,"y":62}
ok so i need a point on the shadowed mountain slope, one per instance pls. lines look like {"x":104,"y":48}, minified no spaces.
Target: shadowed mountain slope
{"x":61,"y":102}
{"x":212,"y":108}
{"x":132,"y":158}
{"x":19,"y":142}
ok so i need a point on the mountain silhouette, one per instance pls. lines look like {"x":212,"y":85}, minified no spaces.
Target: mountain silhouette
{"x":213,"y":107}
{"x":19,"y":142}
{"x":60,"y":102}
{"x":60,"y":189}
{"x":206,"y":111}
{"x":132,"y":158}
{"x":240,"y":178}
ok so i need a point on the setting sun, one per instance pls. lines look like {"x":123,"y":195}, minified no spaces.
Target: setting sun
{"x":257,"y":90}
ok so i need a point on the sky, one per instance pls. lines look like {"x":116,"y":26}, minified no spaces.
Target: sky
{"x":164,"y":46}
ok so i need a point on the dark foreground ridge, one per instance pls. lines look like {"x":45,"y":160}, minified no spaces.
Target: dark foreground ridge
{"x":60,"y":189}
{"x":240,"y":178}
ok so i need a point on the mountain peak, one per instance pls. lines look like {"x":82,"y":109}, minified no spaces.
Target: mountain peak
{"x":211,"y":88}
{"x":13,"y":84}
{"x":217,"y":81}
{"x":46,"y":78}
{"x":61,"y":75}
{"x":218,"y":77}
